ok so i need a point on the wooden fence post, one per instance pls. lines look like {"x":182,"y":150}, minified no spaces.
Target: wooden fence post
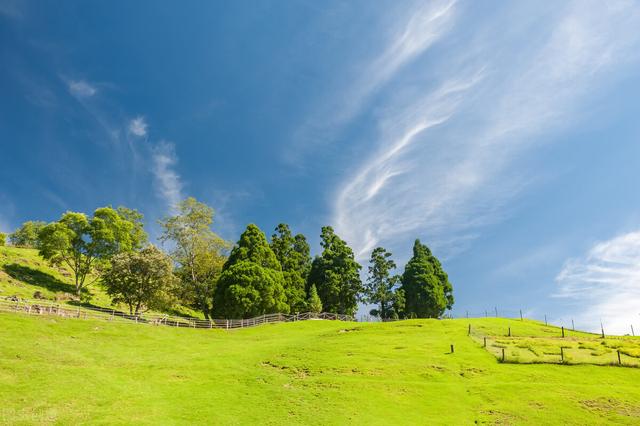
{"x":619,"y":359}
{"x":469,"y":331}
{"x":451,"y":348}
{"x":502,"y":354}
{"x":509,"y":331}
{"x":562,"y":354}
{"x":602,"y":329}
{"x":563,"y":331}
{"x":485,"y":341}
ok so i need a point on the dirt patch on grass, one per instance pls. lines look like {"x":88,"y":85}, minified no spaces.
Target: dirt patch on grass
{"x":611,"y":406}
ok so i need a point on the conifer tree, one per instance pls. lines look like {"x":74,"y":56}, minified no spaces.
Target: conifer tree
{"x":427,"y":290}
{"x":251,"y":282}
{"x":314,"y":304}
{"x":335,"y":273}
{"x":293,"y":254}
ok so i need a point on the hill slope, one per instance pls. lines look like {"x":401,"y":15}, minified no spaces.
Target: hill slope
{"x":313,"y":372}
{"x":23,"y":273}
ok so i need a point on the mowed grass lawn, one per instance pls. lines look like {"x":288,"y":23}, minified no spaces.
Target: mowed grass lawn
{"x":70,"y":371}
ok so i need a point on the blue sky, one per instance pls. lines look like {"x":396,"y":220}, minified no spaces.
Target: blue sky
{"x":502,"y":134}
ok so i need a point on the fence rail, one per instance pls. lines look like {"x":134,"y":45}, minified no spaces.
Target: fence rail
{"x":37,"y":307}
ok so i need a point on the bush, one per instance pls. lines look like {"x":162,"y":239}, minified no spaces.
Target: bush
{"x":3,"y":238}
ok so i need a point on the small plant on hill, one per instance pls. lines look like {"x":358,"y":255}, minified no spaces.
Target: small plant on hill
{"x":314,"y":304}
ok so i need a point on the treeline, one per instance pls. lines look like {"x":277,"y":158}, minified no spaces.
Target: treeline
{"x":197,"y":268}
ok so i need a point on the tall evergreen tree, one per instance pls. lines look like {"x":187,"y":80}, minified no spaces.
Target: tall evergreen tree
{"x":335,"y":274}
{"x":380,"y":286}
{"x":251,"y":282}
{"x":427,"y":290}
{"x":293,"y":255}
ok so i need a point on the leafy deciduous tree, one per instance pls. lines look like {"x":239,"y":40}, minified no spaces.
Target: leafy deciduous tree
{"x":82,"y":243}
{"x":142,"y":279}
{"x":251,"y":282}
{"x":27,"y":234}
{"x":427,"y":289}
{"x":293,"y":255}
{"x":199,"y":252}
{"x":3,"y":238}
{"x":335,"y":274}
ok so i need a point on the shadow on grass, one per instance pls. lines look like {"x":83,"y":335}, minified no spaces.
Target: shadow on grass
{"x":37,"y":278}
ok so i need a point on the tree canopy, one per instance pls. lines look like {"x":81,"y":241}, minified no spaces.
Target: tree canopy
{"x":426,"y":285}
{"x":335,"y":273}
{"x":27,"y":234}
{"x":293,"y":254}
{"x":251,"y":282}
{"x":142,"y":280}
{"x":81,"y":242}
{"x":199,"y":252}
{"x":380,"y":286}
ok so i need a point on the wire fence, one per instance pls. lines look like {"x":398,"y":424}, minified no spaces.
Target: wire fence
{"x":37,"y":307}
{"x":557,"y":345}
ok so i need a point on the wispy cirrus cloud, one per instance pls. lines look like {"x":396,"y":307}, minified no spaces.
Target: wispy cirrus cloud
{"x":605,"y":283}
{"x":168,"y":181}
{"x":138,"y":126}
{"x":421,"y":27}
{"x":442,"y":166}
{"x":81,"y":89}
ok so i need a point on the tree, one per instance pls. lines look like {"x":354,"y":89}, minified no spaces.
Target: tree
{"x":82,"y":243}
{"x":137,"y":233}
{"x":293,"y":255}
{"x":251,"y":282}
{"x":142,"y":279}
{"x":27,"y":234}
{"x":380,"y":285}
{"x":335,"y":274}
{"x":198,"y":251}
{"x":314,"y":304}
{"x":3,"y":238}
{"x":427,"y":289}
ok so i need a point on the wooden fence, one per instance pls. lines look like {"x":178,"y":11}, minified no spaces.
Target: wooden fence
{"x":38,"y":307}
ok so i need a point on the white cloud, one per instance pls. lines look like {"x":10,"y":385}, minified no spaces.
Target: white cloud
{"x":138,"y":126}
{"x":81,"y":89}
{"x":605,"y":284}
{"x":419,"y":29}
{"x":168,"y":181}
{"x":442,"y":166}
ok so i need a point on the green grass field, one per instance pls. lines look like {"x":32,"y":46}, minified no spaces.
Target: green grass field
{"x":71,"y":371}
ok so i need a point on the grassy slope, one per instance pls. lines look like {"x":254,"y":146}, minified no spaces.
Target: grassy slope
{"x":23,"y":272}
{"x":313,"y":372}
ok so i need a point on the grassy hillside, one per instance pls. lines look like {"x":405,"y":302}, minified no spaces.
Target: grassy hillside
{"x":312,"y":372}
{"x":23,"y":273}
